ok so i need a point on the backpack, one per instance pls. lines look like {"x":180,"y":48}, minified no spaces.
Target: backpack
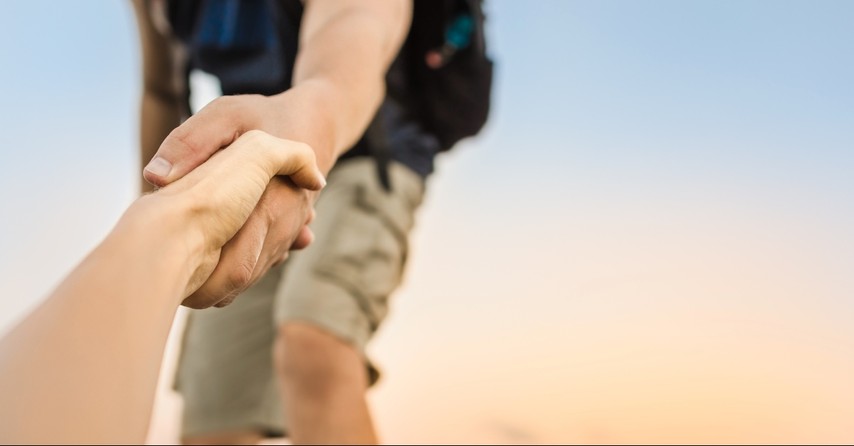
{"x":448,"y":77}
{"x":449,"y":72}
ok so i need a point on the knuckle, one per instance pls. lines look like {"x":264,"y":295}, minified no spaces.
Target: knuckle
{"x":180,"y":139}
{"x":255,"y":136}
{"x":239,"y":277}
{"x":304,"y":152}
{"x":305,"y":149}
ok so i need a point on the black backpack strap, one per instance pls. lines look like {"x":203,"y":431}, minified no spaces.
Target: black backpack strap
{"x":377,"y":140}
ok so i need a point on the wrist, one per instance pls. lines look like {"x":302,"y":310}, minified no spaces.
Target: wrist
{"x":308,"y":112}
{"x":158,"y":234}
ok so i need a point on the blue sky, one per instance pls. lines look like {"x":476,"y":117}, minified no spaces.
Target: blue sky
{"x":648,"y":164}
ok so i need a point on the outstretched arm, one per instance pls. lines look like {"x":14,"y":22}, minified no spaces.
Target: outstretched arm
{"x":83,"y":367}
{"x":346,"y":47}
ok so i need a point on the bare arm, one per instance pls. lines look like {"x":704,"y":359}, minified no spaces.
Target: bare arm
{"x":346,"y":48}
{"x":83,"y":367}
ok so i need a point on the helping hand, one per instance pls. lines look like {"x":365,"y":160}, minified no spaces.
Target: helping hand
{"x":278,"y":223}
{"x":225,"y":193}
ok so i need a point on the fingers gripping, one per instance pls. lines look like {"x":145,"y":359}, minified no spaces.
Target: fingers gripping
{"x":282,"y":157}
{"x":190,"y":145}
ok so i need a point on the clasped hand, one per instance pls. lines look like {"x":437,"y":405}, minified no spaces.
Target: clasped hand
{"x":279,"y":221}
{"x":223,"y":194}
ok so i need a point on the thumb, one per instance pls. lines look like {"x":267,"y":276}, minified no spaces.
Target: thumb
{"x":192,"y":143}
{"x":300,"y":165}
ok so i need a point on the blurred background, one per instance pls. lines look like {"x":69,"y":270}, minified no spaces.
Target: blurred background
{"x":651,"y":242}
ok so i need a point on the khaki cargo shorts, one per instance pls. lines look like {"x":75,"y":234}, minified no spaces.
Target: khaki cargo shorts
{"x":340,"y":283}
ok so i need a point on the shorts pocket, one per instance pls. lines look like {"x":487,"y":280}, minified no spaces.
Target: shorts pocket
{"x":366,"y":252}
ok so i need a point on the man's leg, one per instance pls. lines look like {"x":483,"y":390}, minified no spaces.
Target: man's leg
{"x":225,"y":372}
{"x":333,"y":296}
{"x":323,"y":381}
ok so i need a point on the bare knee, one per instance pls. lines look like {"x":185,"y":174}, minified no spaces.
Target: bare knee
{"x":309,"y":359}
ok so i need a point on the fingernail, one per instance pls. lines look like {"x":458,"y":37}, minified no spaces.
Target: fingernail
{"x":159,"y":167}
{"x":322,"y":181}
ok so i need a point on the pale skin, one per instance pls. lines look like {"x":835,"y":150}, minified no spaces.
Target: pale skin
{"x":346,"y":47}
{"x":82,"y":368}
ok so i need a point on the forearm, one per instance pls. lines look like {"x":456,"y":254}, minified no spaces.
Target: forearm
{"x":345,"y":50}
{"x":83,"y":367}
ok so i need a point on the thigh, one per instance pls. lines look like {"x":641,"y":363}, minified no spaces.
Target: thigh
{"x":342,"y":282}
{"x":225,"y":371}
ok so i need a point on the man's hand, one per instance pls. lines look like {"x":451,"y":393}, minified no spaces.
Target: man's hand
{"x":276,"y":225}
{"x":346,"y":47}
{"x":222,"y":194}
